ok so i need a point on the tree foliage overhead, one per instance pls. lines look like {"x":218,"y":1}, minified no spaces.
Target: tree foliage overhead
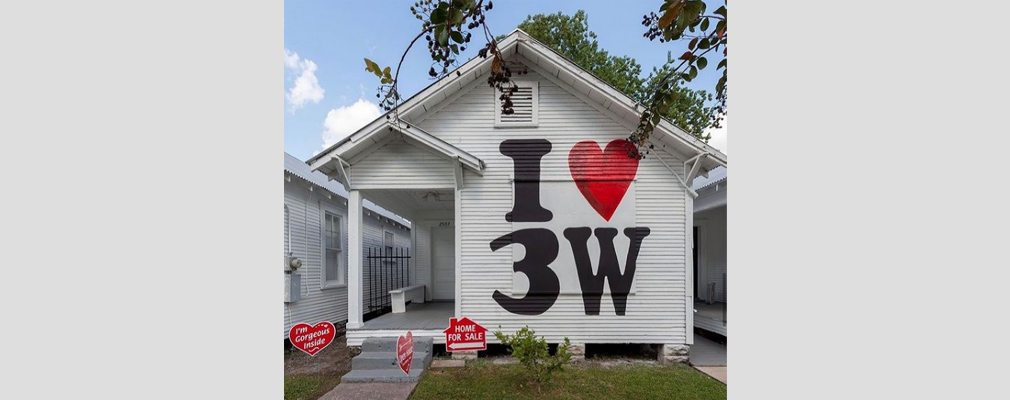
{"x":570,"y":36}
{"x":442,"y":26}
{"x":685,"y":20}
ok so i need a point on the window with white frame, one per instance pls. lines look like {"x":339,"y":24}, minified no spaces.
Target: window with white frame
{"x":525,"y":106}
{"x":333,"y":269}
{"x":387,"y":242}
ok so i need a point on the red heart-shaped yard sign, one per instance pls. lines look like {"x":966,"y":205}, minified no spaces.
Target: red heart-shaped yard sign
{"x":312,"y":338}
{"x":604,"y":176}
{"x":405,"y":351}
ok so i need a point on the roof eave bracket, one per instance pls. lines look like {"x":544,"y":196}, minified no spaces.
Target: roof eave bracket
{"x":695,"y":167}
{"x":342,"y":175}
{"x":686,"y":186}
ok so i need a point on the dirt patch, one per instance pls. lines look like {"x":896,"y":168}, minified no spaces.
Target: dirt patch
{"x":334,"y":359}
{"x":310,"y":377}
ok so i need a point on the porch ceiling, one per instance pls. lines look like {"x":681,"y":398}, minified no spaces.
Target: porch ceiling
{"x":413,"y":201}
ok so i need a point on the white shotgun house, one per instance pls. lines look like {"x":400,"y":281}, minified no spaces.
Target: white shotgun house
{"x":315,"y":235}
{"x":710,"y":251}
{"x":534,"y":218}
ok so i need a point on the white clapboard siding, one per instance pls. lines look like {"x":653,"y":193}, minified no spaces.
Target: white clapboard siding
{"x":711,"y":251}
{"x":656,"y":313}
{"x":403,"y":166}
{"x":305,"y":211}
{"x":305,"y":218}
{"x":422,"y":257}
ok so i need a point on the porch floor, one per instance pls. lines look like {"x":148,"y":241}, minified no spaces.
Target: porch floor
{"x":710,"y":317}
{"x":420,"y":316}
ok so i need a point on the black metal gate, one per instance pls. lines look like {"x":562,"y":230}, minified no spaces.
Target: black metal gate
{"x":388,"y":269}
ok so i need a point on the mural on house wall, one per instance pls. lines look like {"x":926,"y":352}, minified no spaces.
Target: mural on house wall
{"x":597,"y":200}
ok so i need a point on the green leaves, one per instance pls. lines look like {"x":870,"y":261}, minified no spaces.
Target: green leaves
{"x":701,"y":62}
{"x":534,"y":354}
{"x":382,"y":73}
{"x":456,"y":36}
{"x":438,"y":16}
{"x":372,"y":67}
{"x":455,"y":16}
{"x":442,"y":36}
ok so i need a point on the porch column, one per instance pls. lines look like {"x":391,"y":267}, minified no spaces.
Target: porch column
{"x":354,"y":258}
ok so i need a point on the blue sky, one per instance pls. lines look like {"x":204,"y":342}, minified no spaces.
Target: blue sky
{"x":325,"y":42}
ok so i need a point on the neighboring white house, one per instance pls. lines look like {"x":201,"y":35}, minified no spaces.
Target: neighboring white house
{"x":315,"y":226}
{"x":710,"y":247}
{"x":518,"y":218}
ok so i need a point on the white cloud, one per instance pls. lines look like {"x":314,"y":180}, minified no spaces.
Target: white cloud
{"x":306,"y":88}
{"x":343,"y":121}
{"x":720,"y":137}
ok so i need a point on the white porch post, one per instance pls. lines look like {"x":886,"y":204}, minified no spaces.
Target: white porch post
{"x":354,"y":258}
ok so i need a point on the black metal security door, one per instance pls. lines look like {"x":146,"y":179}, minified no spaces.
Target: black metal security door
{"x":388,"y":269}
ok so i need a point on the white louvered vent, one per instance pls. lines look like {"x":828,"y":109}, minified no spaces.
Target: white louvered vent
{"x":524,"y":103}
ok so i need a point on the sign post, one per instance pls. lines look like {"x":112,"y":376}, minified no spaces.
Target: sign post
{"x":465,"y":335}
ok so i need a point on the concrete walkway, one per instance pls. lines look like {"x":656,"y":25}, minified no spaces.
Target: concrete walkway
{"x":707,"y":353}
{"x":371,"y":391}
{"x":709,"y":357}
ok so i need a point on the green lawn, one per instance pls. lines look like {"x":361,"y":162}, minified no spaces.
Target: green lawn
{"x":482,"y":380}
{"x":308,"y":387}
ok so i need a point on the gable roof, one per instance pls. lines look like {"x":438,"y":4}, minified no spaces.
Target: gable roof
{"x":552,"y":66}
{"x":364,"y":142}
{"x":300,"y":169}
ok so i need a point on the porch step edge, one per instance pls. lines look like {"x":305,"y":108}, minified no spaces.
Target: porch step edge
{"x":388,"y":344}
{"x":387,"y":360}
{"x":382,"y":375}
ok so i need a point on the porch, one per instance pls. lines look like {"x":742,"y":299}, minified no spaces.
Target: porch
{"x":418,"y":177}
{"x":710,"y":317}
{"x":421,"y":319}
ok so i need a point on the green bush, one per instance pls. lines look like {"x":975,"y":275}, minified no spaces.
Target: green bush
{"x":533,"y":353}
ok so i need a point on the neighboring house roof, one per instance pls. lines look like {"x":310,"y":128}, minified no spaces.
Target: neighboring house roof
{"x":300,"y":169}
{"x":717,"y":175}
{"x":546,"y":62}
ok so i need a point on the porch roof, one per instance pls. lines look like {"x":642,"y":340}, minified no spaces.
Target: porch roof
{"x":356,"y":147}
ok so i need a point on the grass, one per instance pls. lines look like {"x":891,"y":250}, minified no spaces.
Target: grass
{"x":308,"y":387}
{"x":483,"y":380}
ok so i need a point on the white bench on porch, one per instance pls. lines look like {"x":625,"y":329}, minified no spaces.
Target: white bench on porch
{"x":401,"y":296}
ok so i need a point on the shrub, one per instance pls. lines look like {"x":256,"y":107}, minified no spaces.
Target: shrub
{"x":533,"y":353}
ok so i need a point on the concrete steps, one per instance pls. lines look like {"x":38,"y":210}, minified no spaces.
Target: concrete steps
{"x":377,"y":361}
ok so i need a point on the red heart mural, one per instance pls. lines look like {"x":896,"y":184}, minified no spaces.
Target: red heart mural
{"x":604,"y":176}
{"x":312,"y":339}
{"x":405,"y":351}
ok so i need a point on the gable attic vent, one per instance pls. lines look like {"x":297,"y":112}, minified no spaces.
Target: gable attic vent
{"x":524,"y":103}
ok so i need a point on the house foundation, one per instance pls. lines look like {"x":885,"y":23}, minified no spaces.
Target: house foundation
{"x":578,"y":352}
{"x":464,"y":355}
{"x":673,"y":353}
